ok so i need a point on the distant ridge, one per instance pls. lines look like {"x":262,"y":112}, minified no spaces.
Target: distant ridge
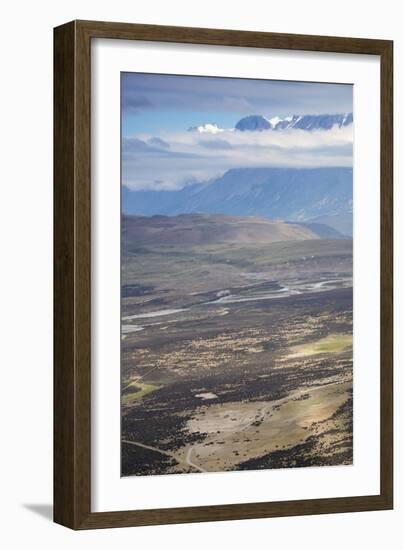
{"x":301,"y":195}
{"x":298,"y":122}
{"x":253,"y":123}
{"x":200,"y":229}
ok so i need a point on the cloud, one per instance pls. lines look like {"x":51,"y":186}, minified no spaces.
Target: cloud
{"x":135,"y":102}
{"x":207,"y":128}
{"x":135,"y":145}
{"x":215,"y":144}
{"x":150,"y":92}
{"x":158,"y":142}
{"x":173,"y":160}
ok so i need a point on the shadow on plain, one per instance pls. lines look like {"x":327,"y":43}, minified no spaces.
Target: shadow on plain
{"x":44,"y":510}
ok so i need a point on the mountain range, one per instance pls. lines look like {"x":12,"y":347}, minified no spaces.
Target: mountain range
{"x":298,"y":122}
{"x":253,"y":123}
{"x":309,"y":195}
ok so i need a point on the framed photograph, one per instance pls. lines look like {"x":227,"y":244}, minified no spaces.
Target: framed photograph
{"x":223,"y":275}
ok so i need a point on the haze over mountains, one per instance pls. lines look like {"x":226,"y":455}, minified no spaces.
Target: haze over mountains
{"x":316,"y":195}
{"x":303,"y":194}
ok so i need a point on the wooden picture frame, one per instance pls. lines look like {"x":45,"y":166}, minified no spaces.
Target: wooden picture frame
{"x":72,"y":271}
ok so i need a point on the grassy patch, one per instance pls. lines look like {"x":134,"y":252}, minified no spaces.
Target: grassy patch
{"x":137,"y":390}
{"x":334,"y":343}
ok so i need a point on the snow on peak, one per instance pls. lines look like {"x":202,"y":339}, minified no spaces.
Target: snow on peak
{"x":299,"y":122}
{"x":276,"y":119}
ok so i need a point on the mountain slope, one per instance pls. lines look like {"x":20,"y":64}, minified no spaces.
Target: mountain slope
{"x":285,"y":193}
{"x":253,"y":123}
{"x":342,"y":222}
{"x":322,"y":230}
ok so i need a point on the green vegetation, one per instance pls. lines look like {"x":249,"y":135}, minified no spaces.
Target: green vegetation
{"x":137,"y":390}
{"x":230,"y":366}
{"x":334,"y":343}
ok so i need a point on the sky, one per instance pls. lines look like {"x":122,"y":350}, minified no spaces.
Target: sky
{"x":158,"y":151}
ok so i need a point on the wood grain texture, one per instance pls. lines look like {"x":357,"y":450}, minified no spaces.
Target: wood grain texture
{"x":72,"y":328}
{"x":221,"y":37}
{"x":72,"y":274}
{"x":387,"y":273}
{"x":64,"y":375}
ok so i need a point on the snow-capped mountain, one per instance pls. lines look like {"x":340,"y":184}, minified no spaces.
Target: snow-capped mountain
{"x":276,"y":120}
{"x":259,"y":123}
{"x":300,"y":122}
{"x":253,"y":122}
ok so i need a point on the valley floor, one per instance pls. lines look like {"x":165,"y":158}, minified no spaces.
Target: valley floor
{"x":247,"y":365}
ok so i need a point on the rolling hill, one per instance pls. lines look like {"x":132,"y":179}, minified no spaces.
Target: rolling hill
{"x":202,"y":229}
